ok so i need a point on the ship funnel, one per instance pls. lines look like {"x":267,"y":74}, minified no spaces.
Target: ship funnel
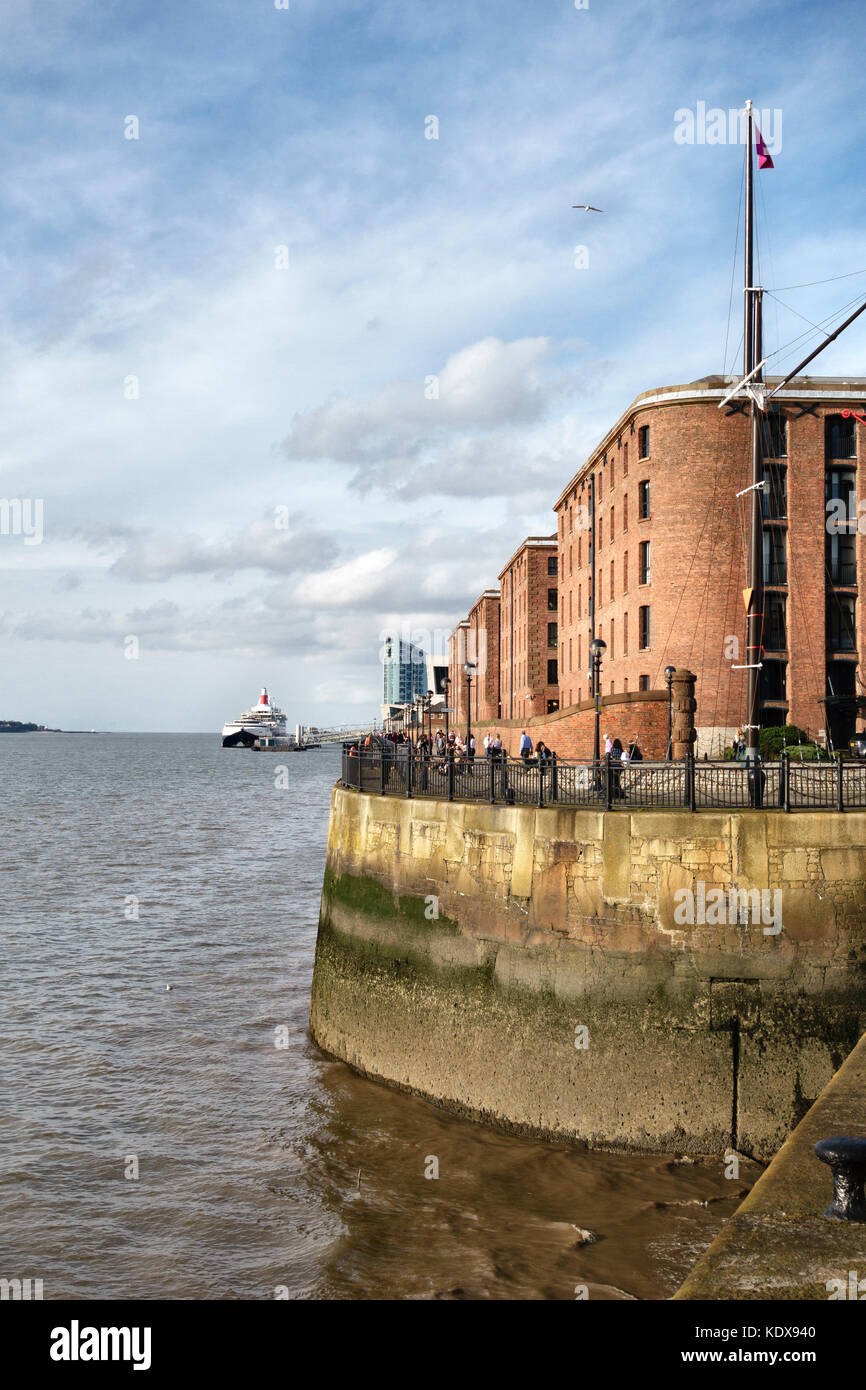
{"x":263,"y":698}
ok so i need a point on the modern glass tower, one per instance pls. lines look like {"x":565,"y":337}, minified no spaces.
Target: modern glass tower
{"x":404,"y":672}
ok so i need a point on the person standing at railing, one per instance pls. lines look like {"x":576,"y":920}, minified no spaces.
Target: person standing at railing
{"x":496,"y":746}
{"x":616,"y":753}
{"x":470,"y":751}
{"x":525,"y":746}
{"x":634,"y":753}
{"x":488,"y":746}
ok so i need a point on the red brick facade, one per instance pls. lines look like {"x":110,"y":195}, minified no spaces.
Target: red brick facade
{"x":569,"y":733}
{"x":484,"y":642}
{"x":657,"y":497}
{"x":528,"y":630}
{"x":684,"y":563}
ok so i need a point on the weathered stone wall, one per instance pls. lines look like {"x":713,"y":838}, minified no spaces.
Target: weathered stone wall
{"x":555,"y":920}
{"x":779,"y":1244}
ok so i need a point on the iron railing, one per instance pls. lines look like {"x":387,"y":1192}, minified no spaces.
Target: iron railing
{"x":689,"y":784}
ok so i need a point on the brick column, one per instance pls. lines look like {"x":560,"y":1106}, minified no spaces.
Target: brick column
{"x":683,"y":718}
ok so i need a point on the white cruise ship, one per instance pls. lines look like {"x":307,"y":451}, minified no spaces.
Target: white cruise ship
{"x":264,"y":720}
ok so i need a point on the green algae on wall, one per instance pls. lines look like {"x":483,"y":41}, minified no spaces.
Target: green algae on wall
{"x":463,"y":948}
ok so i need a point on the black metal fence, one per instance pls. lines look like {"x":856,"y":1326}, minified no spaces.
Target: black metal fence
{"x":787,"y":785}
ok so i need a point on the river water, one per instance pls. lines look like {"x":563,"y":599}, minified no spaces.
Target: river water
{"x":191,"y":1142}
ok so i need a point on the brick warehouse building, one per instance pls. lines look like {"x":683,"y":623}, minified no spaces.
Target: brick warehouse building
{"x":528,"y":630}
{"x":671,"y":554}
{"x":657,"y":498}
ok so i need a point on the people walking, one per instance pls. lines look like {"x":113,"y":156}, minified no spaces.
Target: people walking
{"x":634,"y":753}
{"x":616,"y":767}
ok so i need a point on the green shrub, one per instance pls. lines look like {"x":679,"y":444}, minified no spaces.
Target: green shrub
{"x":774,"y":740}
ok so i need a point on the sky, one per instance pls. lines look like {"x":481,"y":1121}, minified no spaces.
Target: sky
{"x":301,"y":335}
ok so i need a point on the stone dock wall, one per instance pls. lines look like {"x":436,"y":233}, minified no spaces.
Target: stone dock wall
{"x":527,"y":967}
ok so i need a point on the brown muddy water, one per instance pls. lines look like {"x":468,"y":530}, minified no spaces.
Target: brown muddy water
{"x":134,"y":862}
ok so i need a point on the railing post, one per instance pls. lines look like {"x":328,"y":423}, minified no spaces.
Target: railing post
{"x":840,"y":787}
{"x":409,"y":774}
{"x":491,"y":779}
{"x":782,"y":775}
{"x":540,"y":783}
{"x":787,"y":799}
{"x":554,"y":780}
{"x":450,"y":772}
{"x":382,"y":777}
{"x":608,"y":783}
{"x":690,"y":780}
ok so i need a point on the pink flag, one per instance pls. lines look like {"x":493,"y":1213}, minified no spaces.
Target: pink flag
{"x":764,"y":160}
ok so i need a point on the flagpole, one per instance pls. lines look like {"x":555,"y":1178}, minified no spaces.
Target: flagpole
{"x":752,"y":345}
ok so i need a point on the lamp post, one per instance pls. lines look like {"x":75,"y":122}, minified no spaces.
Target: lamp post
{"x":429,"y":702}
{"x":468,"y":668}
{"x":597,"y":646}
{"x":446,"y":681}
{"x":670,"y":672}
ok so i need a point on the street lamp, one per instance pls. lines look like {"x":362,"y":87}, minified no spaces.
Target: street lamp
{"x":429,"y":701}
{"x":596,"y":647}
{"x":468,"y":668}
{"x":446,"y":681}
{"x":670,"y":672}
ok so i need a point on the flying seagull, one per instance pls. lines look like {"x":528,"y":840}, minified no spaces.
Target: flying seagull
{"x":585,"y":207}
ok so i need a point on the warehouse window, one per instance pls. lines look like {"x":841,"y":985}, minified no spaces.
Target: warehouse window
{"x":644,"y":627}
{"x":643,"y":500}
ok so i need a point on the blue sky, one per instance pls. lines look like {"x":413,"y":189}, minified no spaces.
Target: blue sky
{"x":303,"y":393}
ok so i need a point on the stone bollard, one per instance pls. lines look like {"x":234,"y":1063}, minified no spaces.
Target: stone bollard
{"x":847,"y":1159}
{"x":684,"y":705}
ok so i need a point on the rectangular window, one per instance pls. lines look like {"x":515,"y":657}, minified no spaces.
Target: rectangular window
{"x":774,"y":434}
{"x":553,"y":564}
{"x":644,"y":627}
{"x":552,"y":600}
{"x":552,"y":671}
{"x":552,"y":634}
{"x":774,"y":498}
{"x":840,"y":623}
{"x":625,"y":573}
{"x":625,"y":460}
{"x":612,"y":578}
{"x":772,"y":680}
{"x":775,"y":568}
{"x":570,"y":662}
{"x":579,"y":553}
{"x":598,"y":583}
{"x":775,"y":629}
{"x":611,"y":478}
{"x":612,"y":522}
{"x":644,"y":563}
{"x":578,"y":651}
{"x":643,"y":683}
{"x":841,"y":437}
{"x":601,"y":530}
{"x":625,"y":686}
{"x":610,"y":646}
{"x":625,"y":634}
{"x":643,"y":442}
{"x":643,"y":500}
{"x":625,"y":512}
{"x":598,"y":482}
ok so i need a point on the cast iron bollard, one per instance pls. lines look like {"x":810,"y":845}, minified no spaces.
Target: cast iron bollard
{"x":847,"y":1159}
